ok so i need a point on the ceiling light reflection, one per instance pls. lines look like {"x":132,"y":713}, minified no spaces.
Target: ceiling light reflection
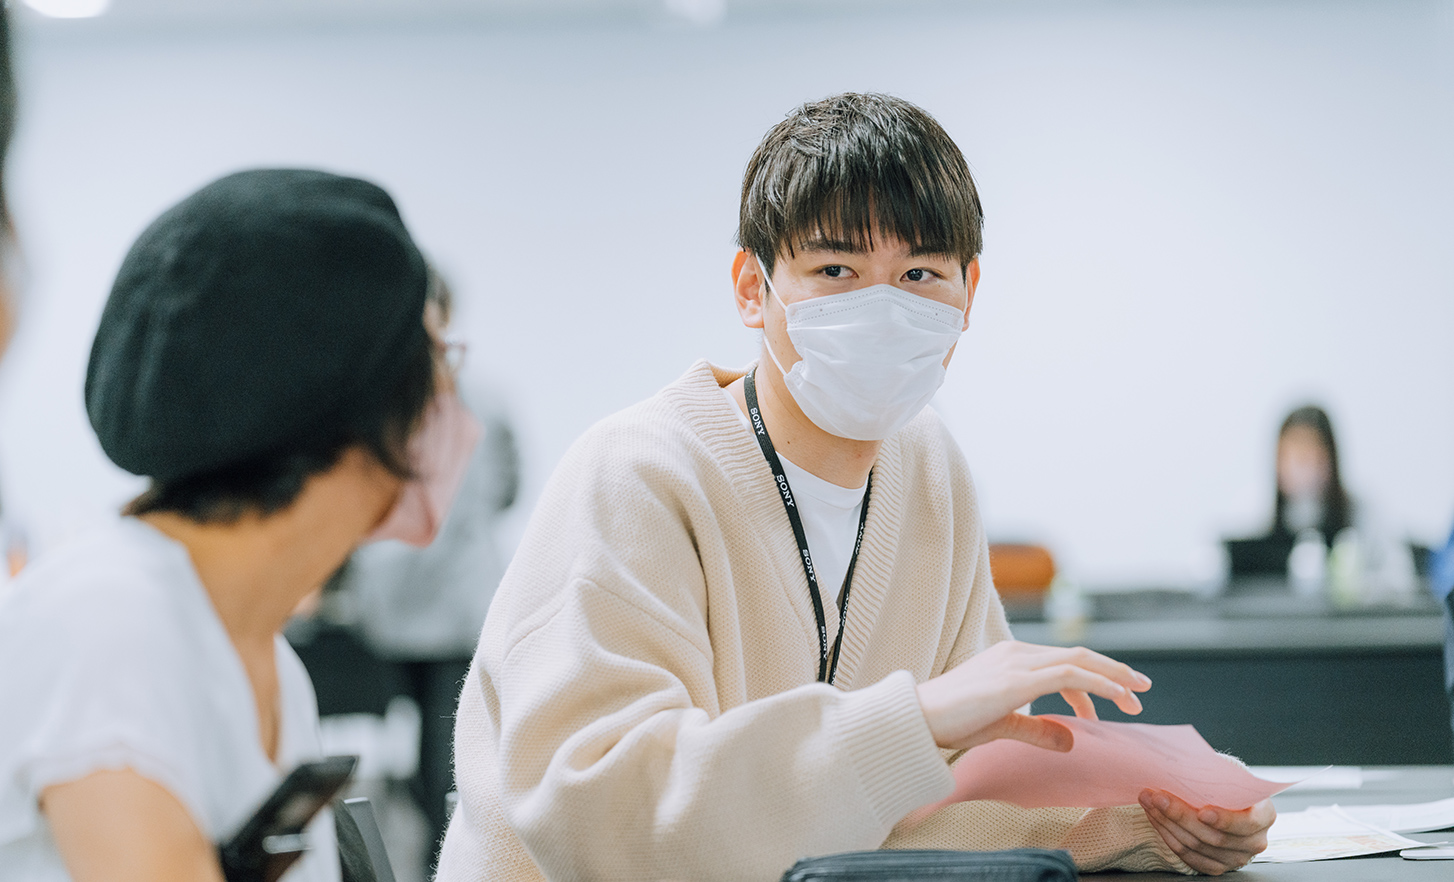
{"x":69,"y":8}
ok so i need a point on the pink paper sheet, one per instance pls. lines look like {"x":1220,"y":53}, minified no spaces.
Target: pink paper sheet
{"x":1110,"y":764}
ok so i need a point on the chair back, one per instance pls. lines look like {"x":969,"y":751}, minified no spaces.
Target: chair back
{"x":360,"y":843}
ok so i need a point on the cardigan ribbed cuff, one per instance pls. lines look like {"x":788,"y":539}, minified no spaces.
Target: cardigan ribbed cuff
{"x":1152,"y":853}
{"x":889,"y":747}
{"x":1144,"y":851}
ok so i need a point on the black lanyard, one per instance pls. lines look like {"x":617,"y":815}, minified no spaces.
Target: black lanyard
{"x":825,"y":672}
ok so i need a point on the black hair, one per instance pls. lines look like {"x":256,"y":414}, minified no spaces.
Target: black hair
{"x":382,"y":425}
{"x":853,"y":165}
{"x":1337,"y":508}
{"x":7,"y":107}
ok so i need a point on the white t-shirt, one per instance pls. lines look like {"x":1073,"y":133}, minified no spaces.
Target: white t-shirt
{"x":830,"y":518}
{"x":112,"y":656}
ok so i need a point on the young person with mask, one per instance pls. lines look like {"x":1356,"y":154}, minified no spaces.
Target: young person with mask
{"x":752,"y":618}
{"x":265,"y":359}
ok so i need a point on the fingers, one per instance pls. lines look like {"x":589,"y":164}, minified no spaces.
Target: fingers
{"x":1037,"y":731}
{"x":962,"y":703}
{"x":1106,"y":666}
{"x":1080,"y":669}
{"x":1210,"y":840}
{"x":1173,"y":837}
{"x":1069,"y":676}
{"x":1039,"y":656}
{"x":1244,"y":830}
{"x":1080,"y":703}
{"x":1249,"y":822}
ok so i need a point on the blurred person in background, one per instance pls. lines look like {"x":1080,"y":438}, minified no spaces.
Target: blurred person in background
{"x":1310,"y":492}
{"x":1321,"y":539}
{"x":265,"y":359}
{"x":421,"y":609}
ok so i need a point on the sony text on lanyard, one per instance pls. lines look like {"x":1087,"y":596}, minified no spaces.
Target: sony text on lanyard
{"x":826,"y":671}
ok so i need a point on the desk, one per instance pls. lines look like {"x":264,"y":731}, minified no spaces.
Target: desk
{"x":1276,"y":679}
{"x":1402,"y":784}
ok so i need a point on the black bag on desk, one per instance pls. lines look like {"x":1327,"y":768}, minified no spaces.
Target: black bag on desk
{"x":1017,"y":865}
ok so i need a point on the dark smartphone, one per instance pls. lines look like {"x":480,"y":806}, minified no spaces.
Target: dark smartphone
{"x":272,"y":839}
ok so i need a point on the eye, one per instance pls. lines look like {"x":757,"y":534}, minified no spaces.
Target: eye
{"x":919,"y":274}
{"x":834,"y":271}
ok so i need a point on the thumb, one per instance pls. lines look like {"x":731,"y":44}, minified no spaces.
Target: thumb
{"x":1036,"y":731}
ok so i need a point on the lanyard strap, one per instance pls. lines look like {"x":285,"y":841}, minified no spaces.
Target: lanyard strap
{"x":825,"y":671}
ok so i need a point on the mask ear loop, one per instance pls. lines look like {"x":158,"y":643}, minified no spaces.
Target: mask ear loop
{"x":765,"y":341}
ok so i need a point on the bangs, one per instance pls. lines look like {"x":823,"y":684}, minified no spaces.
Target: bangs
{"x":856,"y":208}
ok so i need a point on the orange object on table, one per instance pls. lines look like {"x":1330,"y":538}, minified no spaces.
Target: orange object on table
{"x":1022,"y":572}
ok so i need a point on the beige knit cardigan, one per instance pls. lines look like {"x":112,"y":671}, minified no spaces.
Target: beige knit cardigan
{"x":643,"y":702}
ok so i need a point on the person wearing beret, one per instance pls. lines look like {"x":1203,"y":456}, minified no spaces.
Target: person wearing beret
{"x":265,"y":359}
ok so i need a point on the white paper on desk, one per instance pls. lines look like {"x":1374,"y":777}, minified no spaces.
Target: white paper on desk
{"x":1419,"y":817}
{"x":1312,"y":777}
{"x":1326,"y":832}
{"x":1428,"y":853}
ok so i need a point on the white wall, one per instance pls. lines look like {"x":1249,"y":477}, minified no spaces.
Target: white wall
{"x":1199,"y":215}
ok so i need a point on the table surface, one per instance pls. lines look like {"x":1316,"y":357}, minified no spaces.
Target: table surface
{"x":1382,"y":785}
{"x":1266,"y":620}
{"x":1185,"y":636}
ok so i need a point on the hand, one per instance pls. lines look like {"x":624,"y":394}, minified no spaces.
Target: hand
{"x":1210,"y":840}
{"x":976,"y":702}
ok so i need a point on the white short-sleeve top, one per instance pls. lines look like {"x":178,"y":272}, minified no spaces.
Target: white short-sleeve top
{"x":112,"y":656}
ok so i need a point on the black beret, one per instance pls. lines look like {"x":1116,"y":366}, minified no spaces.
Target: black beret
{"x":255,"y":315}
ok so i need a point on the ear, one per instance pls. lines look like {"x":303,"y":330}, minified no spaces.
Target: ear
{"x":748,"y":289}
{"x":971,"y":277}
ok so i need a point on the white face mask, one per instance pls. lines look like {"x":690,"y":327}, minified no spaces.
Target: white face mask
{"x":871,"y":358}
{"x":440,"y":454}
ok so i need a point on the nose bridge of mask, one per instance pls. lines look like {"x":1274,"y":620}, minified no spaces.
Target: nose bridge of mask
{"x":900,"y":305}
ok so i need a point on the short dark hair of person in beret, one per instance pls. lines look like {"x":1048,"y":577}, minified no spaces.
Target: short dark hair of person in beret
{"x":273,"y":314}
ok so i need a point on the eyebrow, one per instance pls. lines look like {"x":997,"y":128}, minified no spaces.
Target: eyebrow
{"x":818,"y":244}
{"x":932,"y":250}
